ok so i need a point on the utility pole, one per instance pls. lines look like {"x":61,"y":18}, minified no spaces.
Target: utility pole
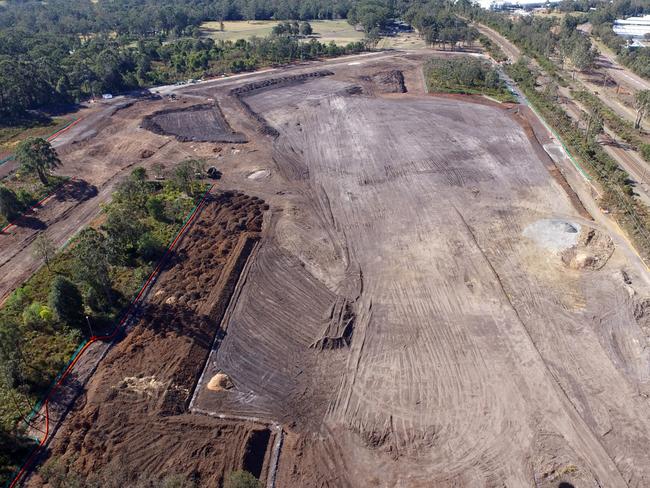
{"x":92,"y":334}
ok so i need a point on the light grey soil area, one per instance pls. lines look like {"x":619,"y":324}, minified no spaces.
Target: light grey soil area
{"x":411,"y":316}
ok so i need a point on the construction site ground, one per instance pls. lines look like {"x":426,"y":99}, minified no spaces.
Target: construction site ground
{"x":384,"y":289}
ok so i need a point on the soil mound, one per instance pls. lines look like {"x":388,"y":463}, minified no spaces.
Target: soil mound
{"x":200,"y":123}
{"x":591,"y":251}
{"x":220,"y":382}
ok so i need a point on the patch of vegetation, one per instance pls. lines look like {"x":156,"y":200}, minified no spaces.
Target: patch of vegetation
{"x":493,"y":49}
{"x":324,"y":31}
{"x":465,"y":75}
{"x":32,"y":182}
{"x":436,"y":23}
{"x":60,"y":474}
{"x":86,"y":285}
{"x":242,"y":479}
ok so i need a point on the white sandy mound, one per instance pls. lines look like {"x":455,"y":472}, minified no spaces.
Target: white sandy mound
{"x":220,"y":382}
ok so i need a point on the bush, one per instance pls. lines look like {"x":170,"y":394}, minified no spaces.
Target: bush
{"x":36,"y":315}
{"x":156,"y":208}
{"x":149,"y":248}
{"x":65,"y":301}
{"x":242,"y":479}
{"x":644,"y":149}
{"x":10,"y":207}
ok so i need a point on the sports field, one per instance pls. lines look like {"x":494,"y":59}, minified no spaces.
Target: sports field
{"x":338,"y":31}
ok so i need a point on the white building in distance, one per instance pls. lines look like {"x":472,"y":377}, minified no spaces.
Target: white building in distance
{"x":633,"y":27}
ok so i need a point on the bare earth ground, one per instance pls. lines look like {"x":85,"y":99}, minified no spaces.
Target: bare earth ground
{"x":430,"y":304}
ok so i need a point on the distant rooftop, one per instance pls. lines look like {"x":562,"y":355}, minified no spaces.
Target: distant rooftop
{"x":633,"y":27}
{"x":513,"y":4}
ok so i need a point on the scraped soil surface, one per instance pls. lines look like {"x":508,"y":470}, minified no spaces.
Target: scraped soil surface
{"x":202,"y":123}
{"x":471,"y":354}
{"x":429,"y":304}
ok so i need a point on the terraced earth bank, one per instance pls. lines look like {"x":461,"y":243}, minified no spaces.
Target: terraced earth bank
{"x":402,"y":322}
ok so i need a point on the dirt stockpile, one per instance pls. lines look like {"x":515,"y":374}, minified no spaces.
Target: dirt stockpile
{"x":134,"y":406}
{"x":276,"y":82}
{"x":591,"y":251}
{"x":201,"y":123}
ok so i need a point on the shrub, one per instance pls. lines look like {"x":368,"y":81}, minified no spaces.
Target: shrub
{"x":10,"y":206}
{"x":156,"y":208}
{"x":65,"y":301}
{"x":150,"y":248}
{"x":242,"y":479}
{"x":644,"y":149}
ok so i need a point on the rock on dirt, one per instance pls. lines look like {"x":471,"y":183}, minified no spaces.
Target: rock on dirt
{"x":220,"y":382}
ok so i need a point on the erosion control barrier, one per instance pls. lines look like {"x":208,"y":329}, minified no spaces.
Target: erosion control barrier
{"x":584,"y":174}
{"x":83,"y":347}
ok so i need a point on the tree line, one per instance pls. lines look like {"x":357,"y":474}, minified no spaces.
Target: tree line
{"x":437,"y":23}
{"x":60,"y":52}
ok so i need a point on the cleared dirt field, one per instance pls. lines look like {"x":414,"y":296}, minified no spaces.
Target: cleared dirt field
{"x":478,"y":356}
{"x":429,"y":304}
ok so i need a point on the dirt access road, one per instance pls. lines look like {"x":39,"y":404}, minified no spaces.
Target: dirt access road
{"x":429,"y":304}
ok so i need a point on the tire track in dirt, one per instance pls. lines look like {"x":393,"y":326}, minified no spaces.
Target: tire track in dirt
{"x":426,"y":377}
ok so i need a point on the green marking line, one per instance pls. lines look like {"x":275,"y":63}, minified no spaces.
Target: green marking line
{"x":568,"y":153}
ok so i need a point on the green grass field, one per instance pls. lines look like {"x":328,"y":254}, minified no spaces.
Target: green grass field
{"x":11,"y":136}
{"x":338,"y":31}
{"x":403,"y":40}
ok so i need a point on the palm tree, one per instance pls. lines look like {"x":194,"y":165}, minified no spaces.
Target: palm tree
{"x":37,"y":155}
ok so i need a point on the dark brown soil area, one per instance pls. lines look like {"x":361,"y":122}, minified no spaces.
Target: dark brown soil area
{"x":134,"y":407}
{"x":387,"y":81}
{"x":201,"y":123}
